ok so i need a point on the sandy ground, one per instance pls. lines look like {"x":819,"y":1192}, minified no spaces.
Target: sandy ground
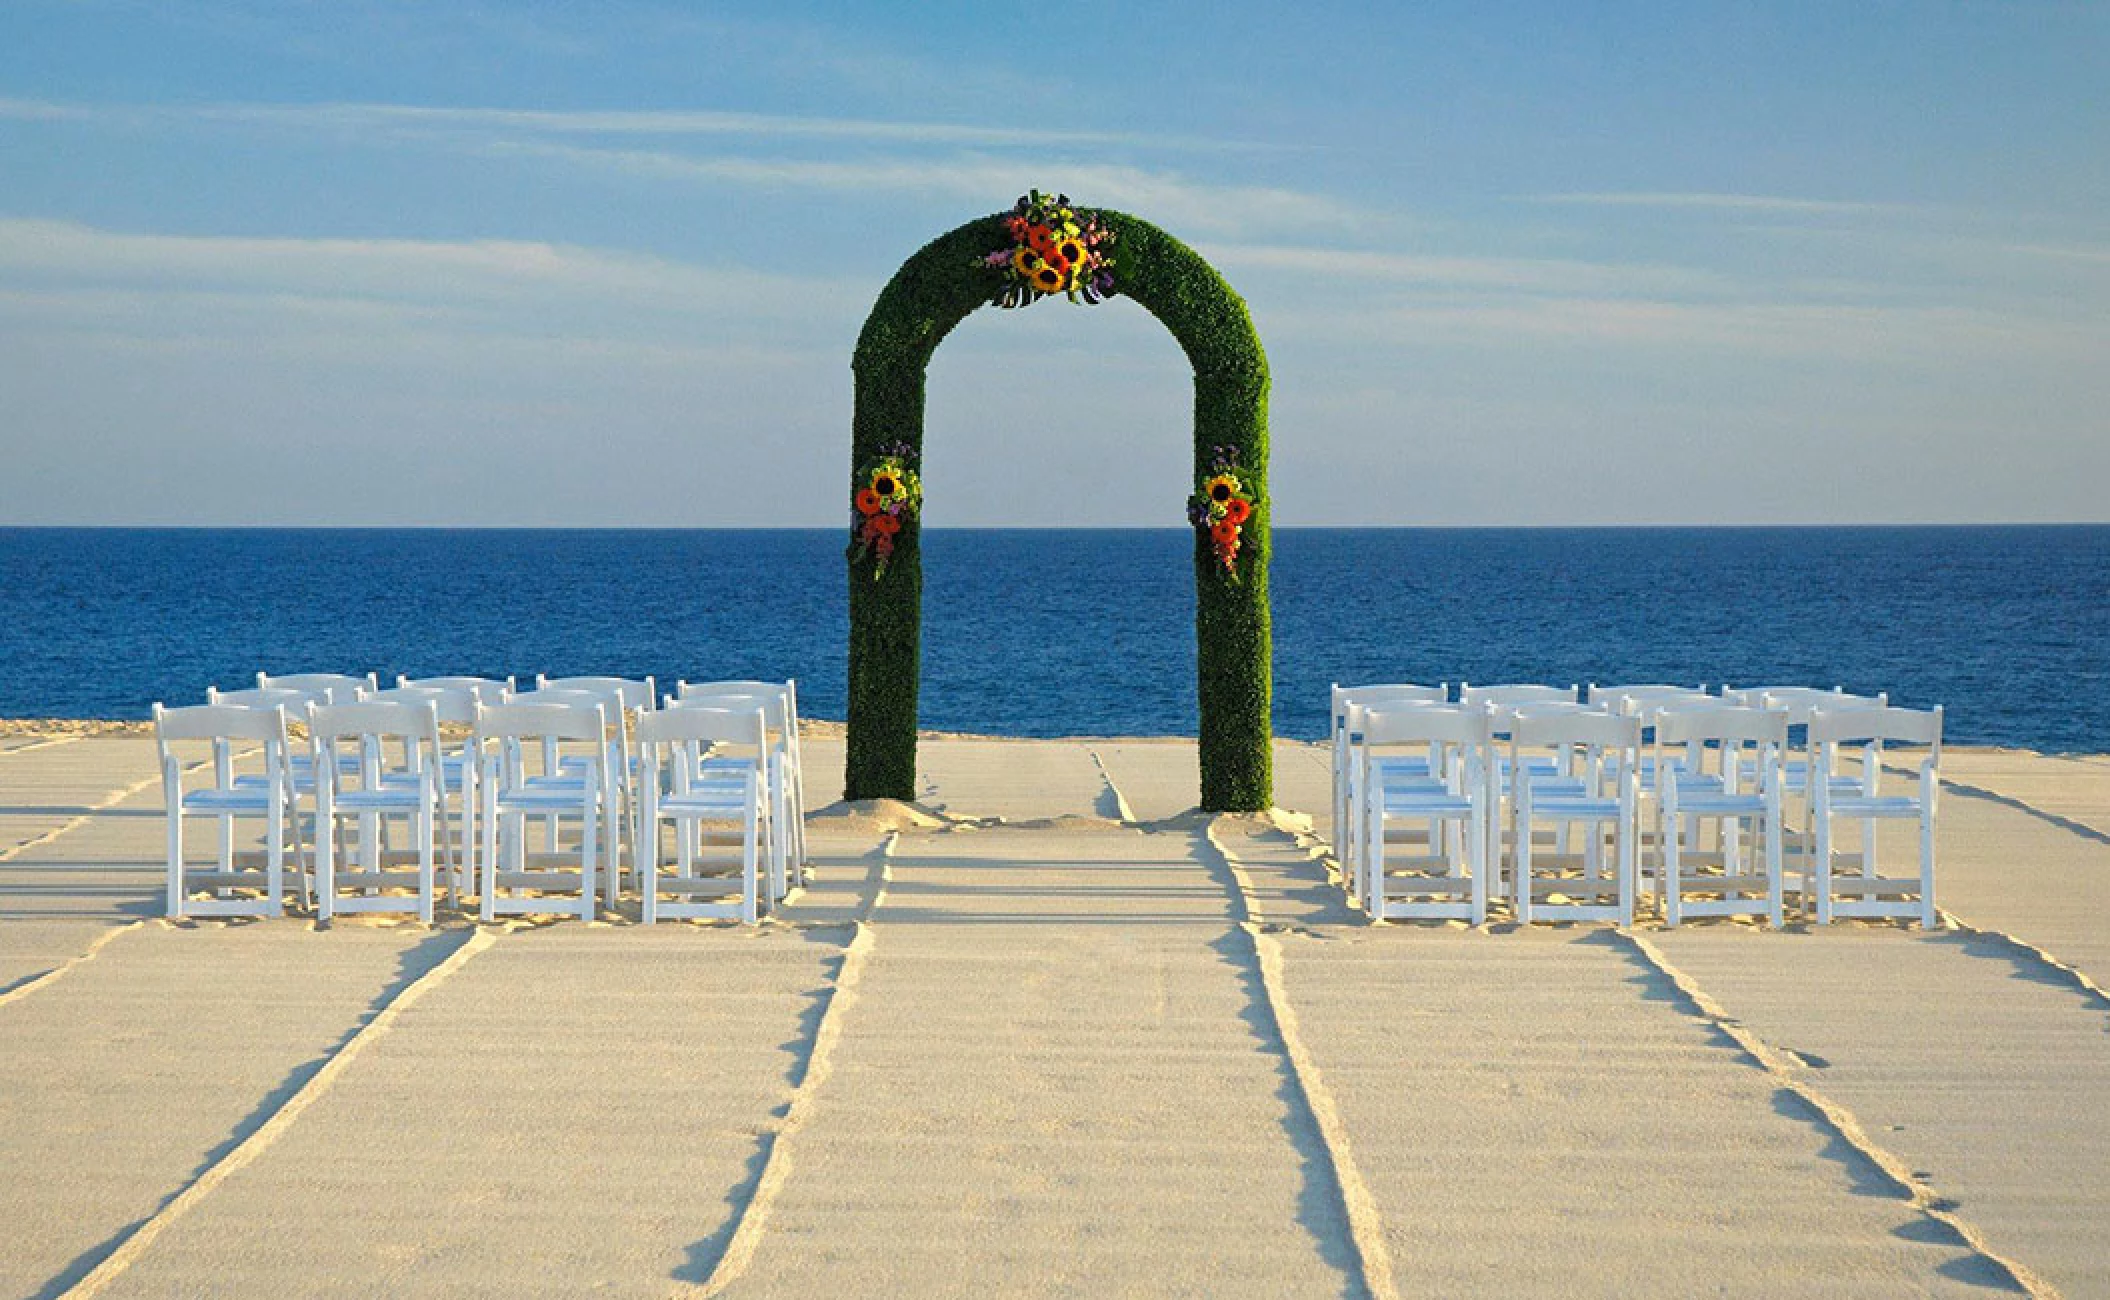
{"x":1068,"y":1041}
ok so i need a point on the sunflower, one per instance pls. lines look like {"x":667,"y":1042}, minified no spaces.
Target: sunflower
{"x":1221,"y":489}
{"x":1070,"y":250}
{"x":885,"y":485}
{"x":1047,"y":279}
{"x":1236,"y":511}
{"x":1025,"y":261}
{"x":868,"y":502}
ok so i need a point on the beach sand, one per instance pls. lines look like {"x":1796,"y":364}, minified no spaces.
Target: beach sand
{"x":1051,"y":1033}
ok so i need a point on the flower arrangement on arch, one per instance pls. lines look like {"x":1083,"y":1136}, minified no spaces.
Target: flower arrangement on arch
{"x":1055,"y":248}
{"x":885,"y":495}
{"x":1220,"y":507}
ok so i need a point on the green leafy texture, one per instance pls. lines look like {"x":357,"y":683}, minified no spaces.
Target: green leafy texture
{"x":933,"y":292}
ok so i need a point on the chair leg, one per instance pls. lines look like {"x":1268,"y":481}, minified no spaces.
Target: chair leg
{"x":1673,"y":868}
{"x":488,"y":904}
{"x":1626,"y":833}
{"x":275,"y":860}
{"x":590,"y":834}
{"x":1823,"y":865}
{"x":1928,"y":916}
{"x":428,"y":865}
{"x":175,"y":845}
{"x":326,"y":872}
{"x":1476,"y":859}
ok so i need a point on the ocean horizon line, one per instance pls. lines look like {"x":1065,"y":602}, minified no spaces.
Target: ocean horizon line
{"x":1020,"y":529}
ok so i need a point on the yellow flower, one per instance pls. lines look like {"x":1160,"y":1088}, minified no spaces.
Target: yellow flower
{"x":1025,"y":261}
{"x":1218,"y":491}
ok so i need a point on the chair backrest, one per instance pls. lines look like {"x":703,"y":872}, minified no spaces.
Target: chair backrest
{"x":1643,"y":699}
{"x":1377,"y":695}
{"x":335,"y":688}
{"x":454,"y":704}
{"x":694,"y":723}
{"x":1799,"y":702}
{"x":1515,"y":693}
{"x":295,"y":703}
{"x":370,"y":725}
{"x":1420,"y":723}
{"x":487,"y":690}
{"x":398,"y":719}
{"x":636,"y":694}
{"x":773,"y":702}
{"x":1878,"y":725}
{"x":529,"y":718}
{"x":1733,"y":725}
{"x":264,"y":725}
{"x":1580,"y":726}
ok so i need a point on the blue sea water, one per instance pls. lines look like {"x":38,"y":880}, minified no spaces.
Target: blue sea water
{"x":1038,"y":632}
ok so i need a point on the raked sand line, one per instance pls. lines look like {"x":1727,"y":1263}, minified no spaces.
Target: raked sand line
{"x":246,"y":1152}
{"x":820,"y":1064}
{"x":1365,"y":1227}
{"x":2064,"y":823}
{"x":1120,"y":808}
{"x":2057,"y":970}
{"x":48,"y":742}
{"x":66,"y":967}
{"x":1837,"y":1118}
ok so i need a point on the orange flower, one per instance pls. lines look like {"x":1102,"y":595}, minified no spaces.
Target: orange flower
{"x":1236,"y":511}
{"x":885,"y":525}
{"x":1224,"y":531}
{"x":1040,"y":239}
{"x":868,"y":502}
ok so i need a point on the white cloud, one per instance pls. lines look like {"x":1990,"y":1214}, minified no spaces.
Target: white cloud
{"x":1747,"y":203}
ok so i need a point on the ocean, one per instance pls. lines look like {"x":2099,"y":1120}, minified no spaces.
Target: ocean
{"x":1049,"y":632}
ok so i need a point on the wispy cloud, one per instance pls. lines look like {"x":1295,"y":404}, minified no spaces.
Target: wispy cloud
{"x":1517,"y":275}
{"x":1170,"y":197}
{"x":1742,"y":203}
{"x":589,"y":122}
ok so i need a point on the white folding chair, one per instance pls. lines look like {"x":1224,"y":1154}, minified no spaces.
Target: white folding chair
{"x":1452,"y":879}
{"x":1347,"y":764}
{"x":795,"y":793}
{"x":726,"y":803}
{"x":1594,"y":788}
{"x":376,"y":793}
{"x":1800,"y":703}
{"x":1835,"y":792}
{"x":223,"y":728}
{"x":455,"y":706}
{"x":626,"y":697}
{"x":1702,"y":761}
{"x":510,"y":740}
{"x":780,"y":768}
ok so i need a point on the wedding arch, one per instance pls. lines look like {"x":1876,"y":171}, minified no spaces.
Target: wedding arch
{"x":1047,"y":248}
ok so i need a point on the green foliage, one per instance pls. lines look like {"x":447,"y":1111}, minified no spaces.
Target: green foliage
{"x":931,"y":293}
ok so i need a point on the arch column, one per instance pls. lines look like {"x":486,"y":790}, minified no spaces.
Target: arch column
{"x":933,"y":292}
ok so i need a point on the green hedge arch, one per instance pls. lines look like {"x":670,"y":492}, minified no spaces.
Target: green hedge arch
{"x":933,"y":292}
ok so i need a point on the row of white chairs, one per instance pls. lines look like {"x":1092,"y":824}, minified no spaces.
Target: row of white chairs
{"x":1477,"y":784}
{"x":467,"y":769}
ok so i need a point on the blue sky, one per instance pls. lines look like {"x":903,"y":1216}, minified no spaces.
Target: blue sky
{"x":446,"y":263}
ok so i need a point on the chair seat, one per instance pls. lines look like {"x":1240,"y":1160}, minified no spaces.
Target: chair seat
{"x":539,"y":797}
{"x":1426,"y":803}
{"x":1882,"y":805}
{"x":714,"y":803}
{"x":1707,"y":803}
{"x":389,"y":799}
{"x":1573,"y":807}
{"x":303,"y":782}
{"x":239,"y":798}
